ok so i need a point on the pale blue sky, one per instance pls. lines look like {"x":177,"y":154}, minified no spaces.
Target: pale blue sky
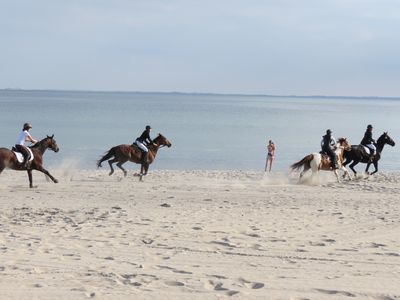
{"x":328,"y":47}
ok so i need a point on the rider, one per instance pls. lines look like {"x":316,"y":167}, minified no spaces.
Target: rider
{"x":328,"y":145}
{"x":23,"y":137}
{"x":142,"y":140}
{"x":369,"y":142}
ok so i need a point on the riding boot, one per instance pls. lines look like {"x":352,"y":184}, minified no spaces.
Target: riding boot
{"x":372,"y":156}
{"x":25,"y":163}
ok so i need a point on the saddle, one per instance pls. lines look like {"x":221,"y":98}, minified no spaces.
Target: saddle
{"x":325,"y":157}
{"x":365,"y":151}
{"x":136,"y":147}
{"x":20,"y":156}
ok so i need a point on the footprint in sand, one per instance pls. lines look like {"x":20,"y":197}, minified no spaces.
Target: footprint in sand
{"x":218,"y":286}
{"x":174,"y":283}
{"x":250,"y":284}
{"x":334,"y":292}
{"x":173,"y":270}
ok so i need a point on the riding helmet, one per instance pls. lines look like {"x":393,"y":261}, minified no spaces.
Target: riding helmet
{"x":27,"y":126}
{"x":328,"y":131}
{"x":369,"y":126}
{"x":148,"y":127}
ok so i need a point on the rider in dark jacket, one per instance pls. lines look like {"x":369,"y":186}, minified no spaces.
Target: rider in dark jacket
{"x":369,"y":142}
{"x":328,"y":145}
{"x":142,"y":141}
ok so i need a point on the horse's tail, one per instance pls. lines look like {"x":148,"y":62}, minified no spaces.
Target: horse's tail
{"x":304,"y":162}
{"x":106,"y":156}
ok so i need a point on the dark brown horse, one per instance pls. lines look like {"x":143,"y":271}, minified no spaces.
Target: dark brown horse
{"x":9,"y":160}
{"x":123,"y":153}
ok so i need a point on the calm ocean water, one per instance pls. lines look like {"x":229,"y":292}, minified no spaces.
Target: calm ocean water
{"x":207,"y":131}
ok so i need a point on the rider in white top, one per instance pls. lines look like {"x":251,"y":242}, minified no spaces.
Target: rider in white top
{"x":23,"y":137}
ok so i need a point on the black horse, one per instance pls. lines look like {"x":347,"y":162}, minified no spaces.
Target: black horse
{"x":357,"y":154}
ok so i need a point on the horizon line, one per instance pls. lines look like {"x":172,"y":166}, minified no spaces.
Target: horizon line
{"x":202,"y":93}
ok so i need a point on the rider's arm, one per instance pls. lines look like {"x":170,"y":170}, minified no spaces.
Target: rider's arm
{"x":29,"y":138}
{"x":333,"y":142}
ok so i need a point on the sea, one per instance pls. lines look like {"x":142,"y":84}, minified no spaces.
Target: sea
{"x":207,"y":131}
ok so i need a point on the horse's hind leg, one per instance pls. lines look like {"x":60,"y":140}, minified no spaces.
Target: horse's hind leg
{"x":119,"y":165}
{"x":110,"y":162}
{"x":306,"y":168}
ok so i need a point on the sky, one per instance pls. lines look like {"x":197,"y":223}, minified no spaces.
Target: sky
{"x":285,"y":47}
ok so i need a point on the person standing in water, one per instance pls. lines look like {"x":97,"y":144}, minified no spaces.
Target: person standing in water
{"x":270,"y":155}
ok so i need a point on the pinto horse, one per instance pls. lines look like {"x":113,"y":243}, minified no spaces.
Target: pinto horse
{"x":9,"y":160}
{"x":123,"y":153}
{"x":317,"y":161}
{"x":357,"y":154}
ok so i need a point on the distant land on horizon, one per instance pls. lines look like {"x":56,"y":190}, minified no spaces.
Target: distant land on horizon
{"x":204,"y":93}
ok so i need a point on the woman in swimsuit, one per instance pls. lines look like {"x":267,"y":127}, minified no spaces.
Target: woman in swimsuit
{"x":270,"y":155}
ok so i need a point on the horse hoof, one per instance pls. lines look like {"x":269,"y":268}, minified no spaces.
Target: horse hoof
{"x":109,"y":174}
{"x":55,"y":181}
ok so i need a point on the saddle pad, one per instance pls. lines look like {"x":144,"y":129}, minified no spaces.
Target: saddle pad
{"x":20,"y":157}
{"x":366,"y":149}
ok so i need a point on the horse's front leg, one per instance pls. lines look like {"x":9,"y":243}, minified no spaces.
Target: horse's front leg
{"x":337,"y":175}
{"x":366,"y":169}
{"x":30,"y":178}
{"x":43,"y":170}
{"x":146,"y":168}
{"x":345,"y":172}
{"x":352,"y":165}
{"x":141,"y":172}
{"x":376,"y":167}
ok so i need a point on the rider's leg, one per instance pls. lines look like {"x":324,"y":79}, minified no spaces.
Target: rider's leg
{"x":371,"y":148}
{"x":332,"y":156}
{"x":25,"y":154}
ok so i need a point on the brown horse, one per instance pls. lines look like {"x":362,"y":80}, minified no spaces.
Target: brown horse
{"x":124,"y":153}
{"x":317,"y":161}
{"x":9,"y":160}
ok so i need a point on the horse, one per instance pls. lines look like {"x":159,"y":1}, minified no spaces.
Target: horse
{"x":318,"y":161}
{"x":9,"y":160}
{"x":123,"y":153}
{"x":357,"y":154}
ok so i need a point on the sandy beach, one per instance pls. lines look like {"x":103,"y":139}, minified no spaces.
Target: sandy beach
{"x":198,"y":235}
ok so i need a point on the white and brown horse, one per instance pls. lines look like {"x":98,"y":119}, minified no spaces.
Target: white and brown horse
{"x":317,"y":161}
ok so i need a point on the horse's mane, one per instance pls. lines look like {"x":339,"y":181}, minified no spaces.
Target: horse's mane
{"x":159,"y":136}
{"x":38,"y":144}
{"x":381,"y":137}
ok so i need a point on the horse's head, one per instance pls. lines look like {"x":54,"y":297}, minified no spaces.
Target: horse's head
{"x":162,"y":141}
{"x":385,"y":139}
{"x":50,"y":143}
{"x":344,"y":144}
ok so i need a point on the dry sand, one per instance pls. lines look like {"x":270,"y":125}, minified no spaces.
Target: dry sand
{"x":198,"y":235}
